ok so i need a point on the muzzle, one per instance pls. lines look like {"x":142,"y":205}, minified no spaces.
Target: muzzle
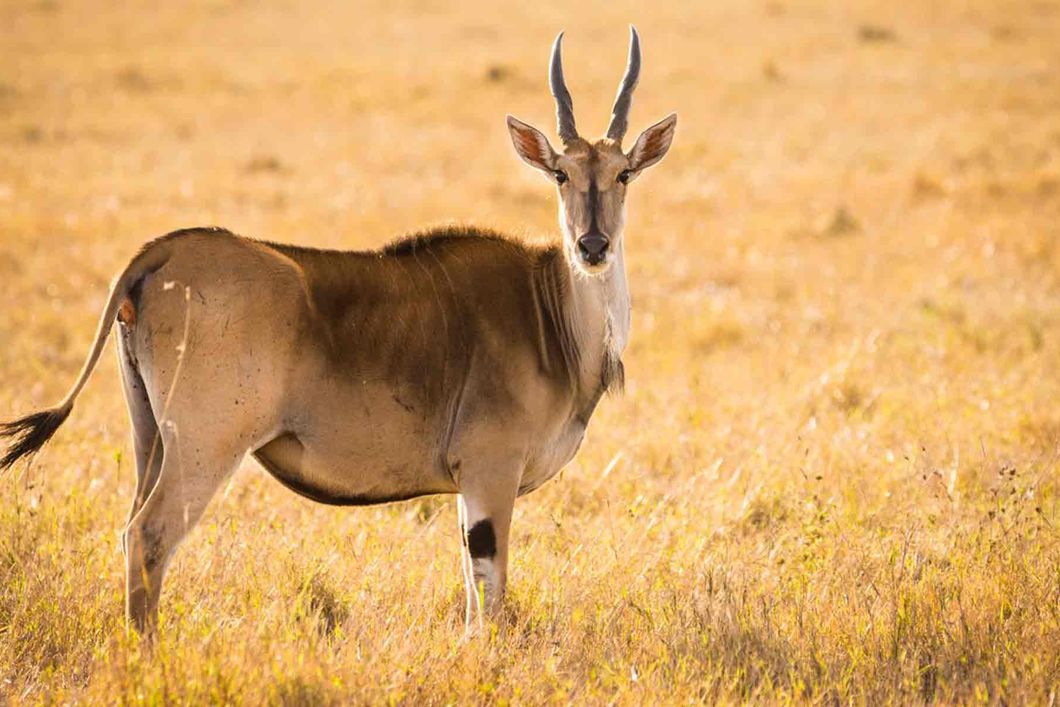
{"x":593,"y":247}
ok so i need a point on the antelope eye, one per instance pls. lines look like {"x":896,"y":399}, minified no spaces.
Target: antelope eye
{"x":560,"y":176}
{"x":624,"y":175}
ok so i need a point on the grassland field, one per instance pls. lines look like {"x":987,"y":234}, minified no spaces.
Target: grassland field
{"x":832,"y":478}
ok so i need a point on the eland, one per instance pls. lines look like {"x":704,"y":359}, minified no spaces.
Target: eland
{"x":453,"y":361}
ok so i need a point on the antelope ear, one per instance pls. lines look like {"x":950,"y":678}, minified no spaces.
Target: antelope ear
{"x":531,"y":145}
{"x":653,"y":144}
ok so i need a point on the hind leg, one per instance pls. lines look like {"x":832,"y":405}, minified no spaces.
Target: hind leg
{"x":147,"y":443}
{"x":192,"y":471}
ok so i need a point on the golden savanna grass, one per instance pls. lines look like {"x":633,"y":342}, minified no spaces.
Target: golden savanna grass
{"x":832,"y":478}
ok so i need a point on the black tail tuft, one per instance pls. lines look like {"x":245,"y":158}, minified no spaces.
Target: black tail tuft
{"x":28,"y":434}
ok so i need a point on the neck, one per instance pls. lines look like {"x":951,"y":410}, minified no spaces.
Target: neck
{"x":596,"y":319}
{"x":604,"y":300}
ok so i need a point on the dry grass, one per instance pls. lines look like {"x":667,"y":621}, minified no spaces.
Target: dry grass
{"x":833,"y":476}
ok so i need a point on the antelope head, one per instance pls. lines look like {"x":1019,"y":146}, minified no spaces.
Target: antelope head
{"x":592,"y":177}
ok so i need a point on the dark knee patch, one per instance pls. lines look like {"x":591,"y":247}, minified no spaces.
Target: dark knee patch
{"x":481,"y":541}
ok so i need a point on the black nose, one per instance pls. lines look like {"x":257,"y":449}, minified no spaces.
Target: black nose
{"x":593,"y":247}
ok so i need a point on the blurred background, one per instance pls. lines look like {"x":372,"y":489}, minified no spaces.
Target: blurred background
{"x":833,"y":472}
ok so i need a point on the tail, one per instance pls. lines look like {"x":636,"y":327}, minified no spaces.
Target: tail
{"x":28,"y":434}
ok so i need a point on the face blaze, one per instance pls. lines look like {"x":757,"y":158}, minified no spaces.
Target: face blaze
{"x":593,"y":244}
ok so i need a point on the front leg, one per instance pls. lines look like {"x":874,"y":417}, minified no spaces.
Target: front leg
{"x":488,"y":495}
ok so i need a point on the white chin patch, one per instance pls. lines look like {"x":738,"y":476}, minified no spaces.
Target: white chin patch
{"x":591,"y":269}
